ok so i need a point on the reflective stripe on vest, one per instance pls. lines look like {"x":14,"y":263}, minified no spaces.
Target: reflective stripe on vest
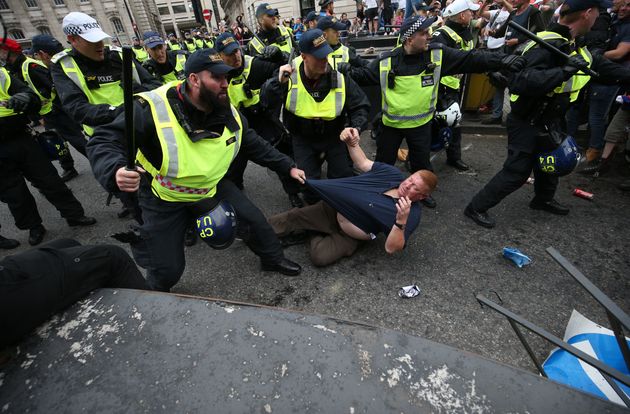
{"x":576,"y":82}
{"x":46,"y":102}
{"x":453,"y":82}
{"x":338,"y":56}
{"x":412,"y":101}
{"x":190,"y":170}
{"x":141,"y":54}
{"x":174,"y":46}
{"x":109,"y":93}
{"x":300,"y":102}
{"x":5,"y":84}
{"x":191,"y":46}
{"x":284,"y":42}
{"x":178,"y":72}
{"x":236,"y":90}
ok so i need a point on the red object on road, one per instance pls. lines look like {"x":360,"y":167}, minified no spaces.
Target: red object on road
{"x":207,"y":14}
{"x":583,"y":194}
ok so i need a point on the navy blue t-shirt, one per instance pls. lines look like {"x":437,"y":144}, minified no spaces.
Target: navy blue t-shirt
{"x":621,"y":29}
{"x":361,"y":200}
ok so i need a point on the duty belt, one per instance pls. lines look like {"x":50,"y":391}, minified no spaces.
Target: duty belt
{"x":165,"y":182}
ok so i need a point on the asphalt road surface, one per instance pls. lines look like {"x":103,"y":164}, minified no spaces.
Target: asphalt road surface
{"x":449,"y":257}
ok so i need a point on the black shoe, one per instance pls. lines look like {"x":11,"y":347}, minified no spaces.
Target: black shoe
{"x":480,"y":217}
{"x":81,"y":221}
{"x":625,"y":186}
{"x":458,"y":164}
{"x":190,"y":238}
{"x":124,"y":212}
{"x":286,"y":267}
{"x":429,"y":202}
{"x":598,"y":166}
{"x":551,"y":206}
{"x":8,"y":244}
{"x":492,"y":121}
{"x":36,"y":235}
{"x":294,"y":238}
{"x":69,"y":175}
{"x":296,"y":201}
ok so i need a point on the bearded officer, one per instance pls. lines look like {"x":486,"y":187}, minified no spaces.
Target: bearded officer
{"x":270,"y":34}
{"x":187,"y":135}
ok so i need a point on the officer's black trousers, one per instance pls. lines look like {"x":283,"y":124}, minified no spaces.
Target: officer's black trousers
{"x":310,"y":154}
{"x":161,"y":251}
{"x":270,"y":133}
{"x":21,"y":157}
{"x":418,"y":141}
{"x":69,"y":129}
{"x":454,"y":150}
{"x":40,"y":282}
{"x":521,"y":160}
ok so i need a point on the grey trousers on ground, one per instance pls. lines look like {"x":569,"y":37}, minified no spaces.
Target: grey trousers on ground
{"x":327,"y":247}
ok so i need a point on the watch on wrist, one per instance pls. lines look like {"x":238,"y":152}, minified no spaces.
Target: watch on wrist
{"x":400,"y":226}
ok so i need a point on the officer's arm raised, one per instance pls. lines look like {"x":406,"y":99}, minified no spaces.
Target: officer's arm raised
{"x":351,"y":137}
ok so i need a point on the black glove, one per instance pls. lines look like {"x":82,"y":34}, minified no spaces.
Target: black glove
{"x":344,"y":67}
{"x":514,"y":63}
{"x":573,"y":64}
{"x":271,"y":53}
{"x":19,"y":102}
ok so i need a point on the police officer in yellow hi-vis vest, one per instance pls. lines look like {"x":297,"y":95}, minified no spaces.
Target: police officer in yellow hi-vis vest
{"x":541,"y":94}
{"x":187,"y":135}
{"x":270,"y":33}
{"x":248,"y":76}
{"x":139,"y":50}
{"x":88,"y":77}
{"x":189,"y":42}
{"x":173,"y":42}
{"x":341,"y":53}
{"x":454,"y":33}
{"x":36,"y":75}
{"x":21,"y":157}
{"x":319,"y":103}
{"x":409,"y":77}
{"x":165,"y":65}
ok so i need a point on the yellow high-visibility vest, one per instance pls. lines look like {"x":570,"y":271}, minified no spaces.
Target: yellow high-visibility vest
{"x":236,"y":91}
{"x":46,"y":102}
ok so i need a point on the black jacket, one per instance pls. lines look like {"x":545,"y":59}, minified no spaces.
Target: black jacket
{"x":354,"y":114}
{"x":107,"y":148}
{"x":354,"y":59}
{"x":544,"y":73}
{"x":18,"y":122}
{"x":74,"y":101}
{"x":535,"y":24}
{"x":159,"y":70}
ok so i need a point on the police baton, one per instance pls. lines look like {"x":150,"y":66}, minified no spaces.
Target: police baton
{"x":130,"y":131}
{"x":546,"y":45}
{"x":290,"y":62}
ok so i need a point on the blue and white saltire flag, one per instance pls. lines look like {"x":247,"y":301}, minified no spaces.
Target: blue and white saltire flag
{"x":595,"y":341}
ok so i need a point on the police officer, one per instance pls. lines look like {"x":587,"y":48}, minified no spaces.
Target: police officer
{"x":541,"y":95}
{"x":189,"y":42}
{"x":270,"y":33}
{"x":36,"y":75}
{"x":246,"y":79}
{"x":409,"y":77}
{"x":139,"y":51}
{"x":21,"y":157}
{"x":186,"y":156}
{"x":311,"y":20}
{"x":173,"y":42}
{"x":455,"y":33}
{"x":208,"y":41}
{"x":340,"y":53}
{"x":317,"y":103}
{"x":327,"y":8}
{"x":165,"y":65}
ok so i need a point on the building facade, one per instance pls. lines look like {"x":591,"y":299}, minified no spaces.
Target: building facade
{"x":122,"y":19}
{"x":177,"y":15}
{"x":286,"y":8}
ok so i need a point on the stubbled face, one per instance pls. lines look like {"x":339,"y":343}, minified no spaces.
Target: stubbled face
{"x":624,"y":10}
{"x":315,"y":67}
{"x":268,"y":22}
{"x":465,"y":17}
{"x":158,"y":53}
{"x":332,"y":36}
{"x":91,"y":50}
{"x":234,"y":59}
{"x":414,"y":188}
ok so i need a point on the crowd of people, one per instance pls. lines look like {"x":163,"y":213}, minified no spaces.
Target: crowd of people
{"x":290,"y":99}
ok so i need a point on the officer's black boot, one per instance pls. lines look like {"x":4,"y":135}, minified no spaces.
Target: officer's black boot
{"x":36,"y":235}
{"x":8,"y":244}
{"x":68,"y":175}
{"x":551,"y":206}
{"x":480,"y":217}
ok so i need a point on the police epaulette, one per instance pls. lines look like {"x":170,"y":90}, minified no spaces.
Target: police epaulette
{"x":59,"y":55}
{"x":143,"y":102}
{"x":436,"y":46}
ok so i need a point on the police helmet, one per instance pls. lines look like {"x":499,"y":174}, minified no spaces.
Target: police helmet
{"x":441,"y":138}
{"x":217,"y":227}
{"x":52,"y":144}
{"x":449,"y":116}
{"x":562,"y":160}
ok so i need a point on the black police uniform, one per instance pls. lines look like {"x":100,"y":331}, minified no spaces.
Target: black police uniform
{"x":311,"y":137}
{"x":266,"y":124}
{"x":272,"y":38}
{"x":161,"y":251}
{"x":532,"y":115}
{"x":40,"y":282}
{"x":21,"y":157}
{"x":56,"y":119}
{"x":158,"y":70}
{"x":446,"y":94}
{"x":419,"y":138}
